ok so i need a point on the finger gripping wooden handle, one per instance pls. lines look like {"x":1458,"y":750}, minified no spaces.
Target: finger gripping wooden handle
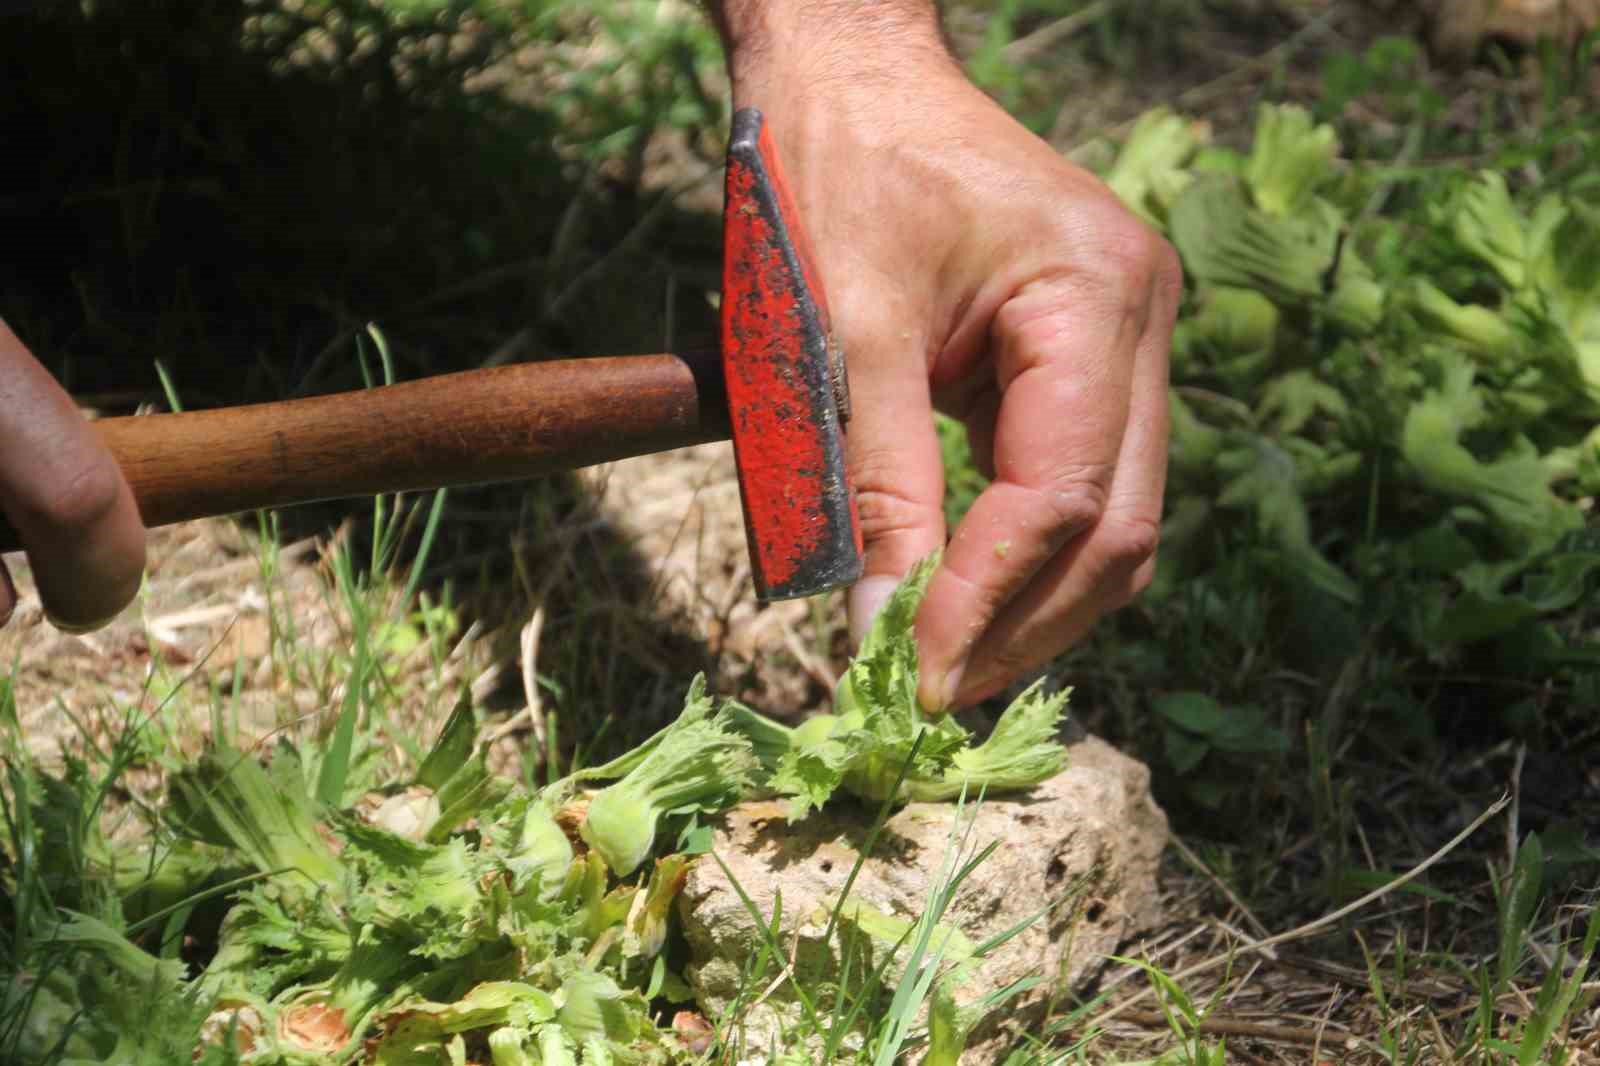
{"x":477,"y":426}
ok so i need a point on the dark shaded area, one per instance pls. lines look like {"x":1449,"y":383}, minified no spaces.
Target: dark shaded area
{"x":237,"y":188}
{"x":194,"y":190}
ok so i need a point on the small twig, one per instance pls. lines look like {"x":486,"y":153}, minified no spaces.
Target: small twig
{"x":1025,"y":48}
{"x":569,"y":228}
{"x":530,"y":679}
{"x":514,"y":349}
{"x":193,"y":616}
{"x":1318,"y":924}
{"x":1265,"y":62}
{"x":678,"y":503}
{"x":1250,"y":974}
{"x":486,"y":682}
{"x":462,"y":647}
{"x":815,"y":669}
{"x":1322,"y":1025}
{"x":1233,"y":1027}
{"x":320,"y":361}
{"x":233,"y":569}
{"x":1221,"y":886}
{"x":785,"y":974}
{"x":485,"y":279}
{"x":1130,"y":972}
{"x":1514,"y":814}
{"x":532,"y":715}
{"x":1366,"y":847}
{"x":1432,"y":987}
{"x":1409,"y":150}
{"x":634,"y":240}
{"x":1437,"y":1030}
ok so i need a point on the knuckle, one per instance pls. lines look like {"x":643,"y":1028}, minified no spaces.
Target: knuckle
{"x":1126,"y":258}
{"x":984,"y":598}
{"x":883,"y":511}
{"x":886,"y":503}
{"x":1132,"y":543}
{"x":1126,"y":551}
{"x":1076,"y":500}
{"x":77,"y":497}
{"x":1169,"y":270}
{"x":899,"y":504}
{"x":1143,"y":575}
{"x":1114,"y":263}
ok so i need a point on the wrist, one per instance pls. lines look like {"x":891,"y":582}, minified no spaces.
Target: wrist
{"x":778,"y":51}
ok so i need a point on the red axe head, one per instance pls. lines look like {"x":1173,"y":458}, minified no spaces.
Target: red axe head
{"x":787,"y":394}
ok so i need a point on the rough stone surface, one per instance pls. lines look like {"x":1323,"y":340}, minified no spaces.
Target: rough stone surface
{"x":1089,"y":840}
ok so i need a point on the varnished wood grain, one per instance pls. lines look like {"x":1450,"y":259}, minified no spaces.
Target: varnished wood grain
{"x":498,"y":424}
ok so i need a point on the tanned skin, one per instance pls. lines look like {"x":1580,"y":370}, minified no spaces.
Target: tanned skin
{"x":971,"y":269}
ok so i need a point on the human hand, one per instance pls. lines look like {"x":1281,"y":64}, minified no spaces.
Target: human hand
{"x":970,"y":268}
{"x":65,"y":497}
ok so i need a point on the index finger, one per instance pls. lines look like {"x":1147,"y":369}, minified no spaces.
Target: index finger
{"x":65,"y":496}
{"x":1064,"y":358}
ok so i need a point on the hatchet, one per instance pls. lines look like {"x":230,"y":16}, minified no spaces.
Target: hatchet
{"x":777,"y":387}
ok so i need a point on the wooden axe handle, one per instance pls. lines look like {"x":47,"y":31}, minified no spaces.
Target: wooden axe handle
{"x":498,"y":424}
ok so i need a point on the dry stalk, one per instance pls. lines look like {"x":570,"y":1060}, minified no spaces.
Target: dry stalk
{"x":532,"y":714}
{"x":1221,"y":886}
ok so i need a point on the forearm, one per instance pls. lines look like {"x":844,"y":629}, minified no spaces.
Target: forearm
{"x":818,"y":41}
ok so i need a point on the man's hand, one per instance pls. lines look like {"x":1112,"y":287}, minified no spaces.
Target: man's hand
{"x":969,"y":267}
{"x":66,"y":498}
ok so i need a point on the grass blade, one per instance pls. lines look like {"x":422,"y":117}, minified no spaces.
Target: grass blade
{"x":1556,"y":998}
{"x":1517,"y":906}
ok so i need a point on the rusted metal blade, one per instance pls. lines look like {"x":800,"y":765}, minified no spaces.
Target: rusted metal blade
{"x":784,"y":373}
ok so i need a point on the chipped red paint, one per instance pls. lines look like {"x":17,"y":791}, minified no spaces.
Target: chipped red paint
{"x":788,"y":436}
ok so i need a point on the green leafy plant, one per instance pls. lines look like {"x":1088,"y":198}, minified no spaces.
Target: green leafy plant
{"x":696,"y":764}
{"x":393,"y":922}
{"x":1198,"y":728}
{"x":880,"y":745}
{"x":1434,"y":499}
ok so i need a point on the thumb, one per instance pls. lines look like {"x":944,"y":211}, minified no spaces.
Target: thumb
{"x":892,"y":450}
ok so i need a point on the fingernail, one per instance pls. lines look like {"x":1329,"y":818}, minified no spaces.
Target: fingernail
{"x":867,"y":598}
{"x":952,"y":685}
{"x":944,"y":697}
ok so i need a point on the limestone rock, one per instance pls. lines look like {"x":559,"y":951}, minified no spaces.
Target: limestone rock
{"x":1087,"y":841}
